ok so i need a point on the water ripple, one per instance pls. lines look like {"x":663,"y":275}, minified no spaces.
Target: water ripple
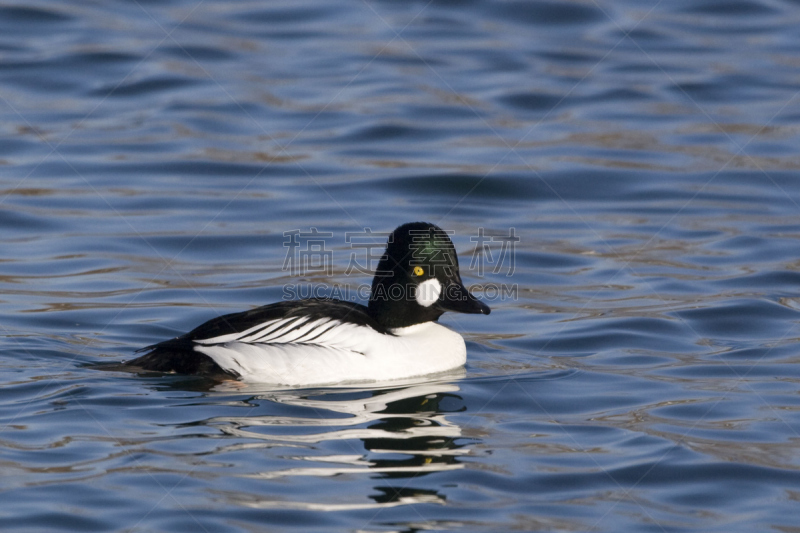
{"x":639,"y":369}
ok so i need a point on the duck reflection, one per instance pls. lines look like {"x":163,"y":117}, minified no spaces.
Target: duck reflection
{"x":400,"y":431}
{"x":429,"y":438}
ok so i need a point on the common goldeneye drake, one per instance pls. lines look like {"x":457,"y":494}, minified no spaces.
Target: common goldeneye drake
{"x":326,"y":341}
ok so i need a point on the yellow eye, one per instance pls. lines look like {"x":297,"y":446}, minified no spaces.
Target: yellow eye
{"x":418,"y":271}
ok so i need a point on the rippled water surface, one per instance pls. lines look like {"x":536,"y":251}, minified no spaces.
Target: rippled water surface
{"x":639,"y":371}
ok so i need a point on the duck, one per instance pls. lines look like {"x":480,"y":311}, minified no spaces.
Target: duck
{"x":325,"y":341}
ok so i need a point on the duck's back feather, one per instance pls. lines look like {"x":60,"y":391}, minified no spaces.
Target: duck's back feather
{"x":308,"y":322}
{"x":312,"y":309}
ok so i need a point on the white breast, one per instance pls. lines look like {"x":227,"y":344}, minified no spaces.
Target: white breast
{"x":325,"y":352}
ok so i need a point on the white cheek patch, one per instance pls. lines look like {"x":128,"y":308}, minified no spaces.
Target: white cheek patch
{"x":428,"y":292}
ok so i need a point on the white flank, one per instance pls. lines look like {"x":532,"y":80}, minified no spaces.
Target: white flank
{"x":326,"y":352}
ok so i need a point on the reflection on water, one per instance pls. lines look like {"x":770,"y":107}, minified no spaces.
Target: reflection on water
{"x":404,"y":432}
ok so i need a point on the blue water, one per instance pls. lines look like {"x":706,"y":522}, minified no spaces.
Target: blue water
{"x":639,"y":371}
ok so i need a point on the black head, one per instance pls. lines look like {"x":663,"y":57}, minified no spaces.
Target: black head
{"x":417,"y":279}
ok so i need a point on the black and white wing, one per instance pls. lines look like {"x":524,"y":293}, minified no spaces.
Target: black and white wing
{"x":296,"y":322}
{"x":318,"y":322}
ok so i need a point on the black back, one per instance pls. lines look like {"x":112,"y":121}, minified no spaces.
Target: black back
{"x":312,"y":308}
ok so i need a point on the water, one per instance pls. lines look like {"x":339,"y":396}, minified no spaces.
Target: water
{"x":639,"y":373}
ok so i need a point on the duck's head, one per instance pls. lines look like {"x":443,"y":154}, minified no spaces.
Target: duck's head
{"x":417,"y":279}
